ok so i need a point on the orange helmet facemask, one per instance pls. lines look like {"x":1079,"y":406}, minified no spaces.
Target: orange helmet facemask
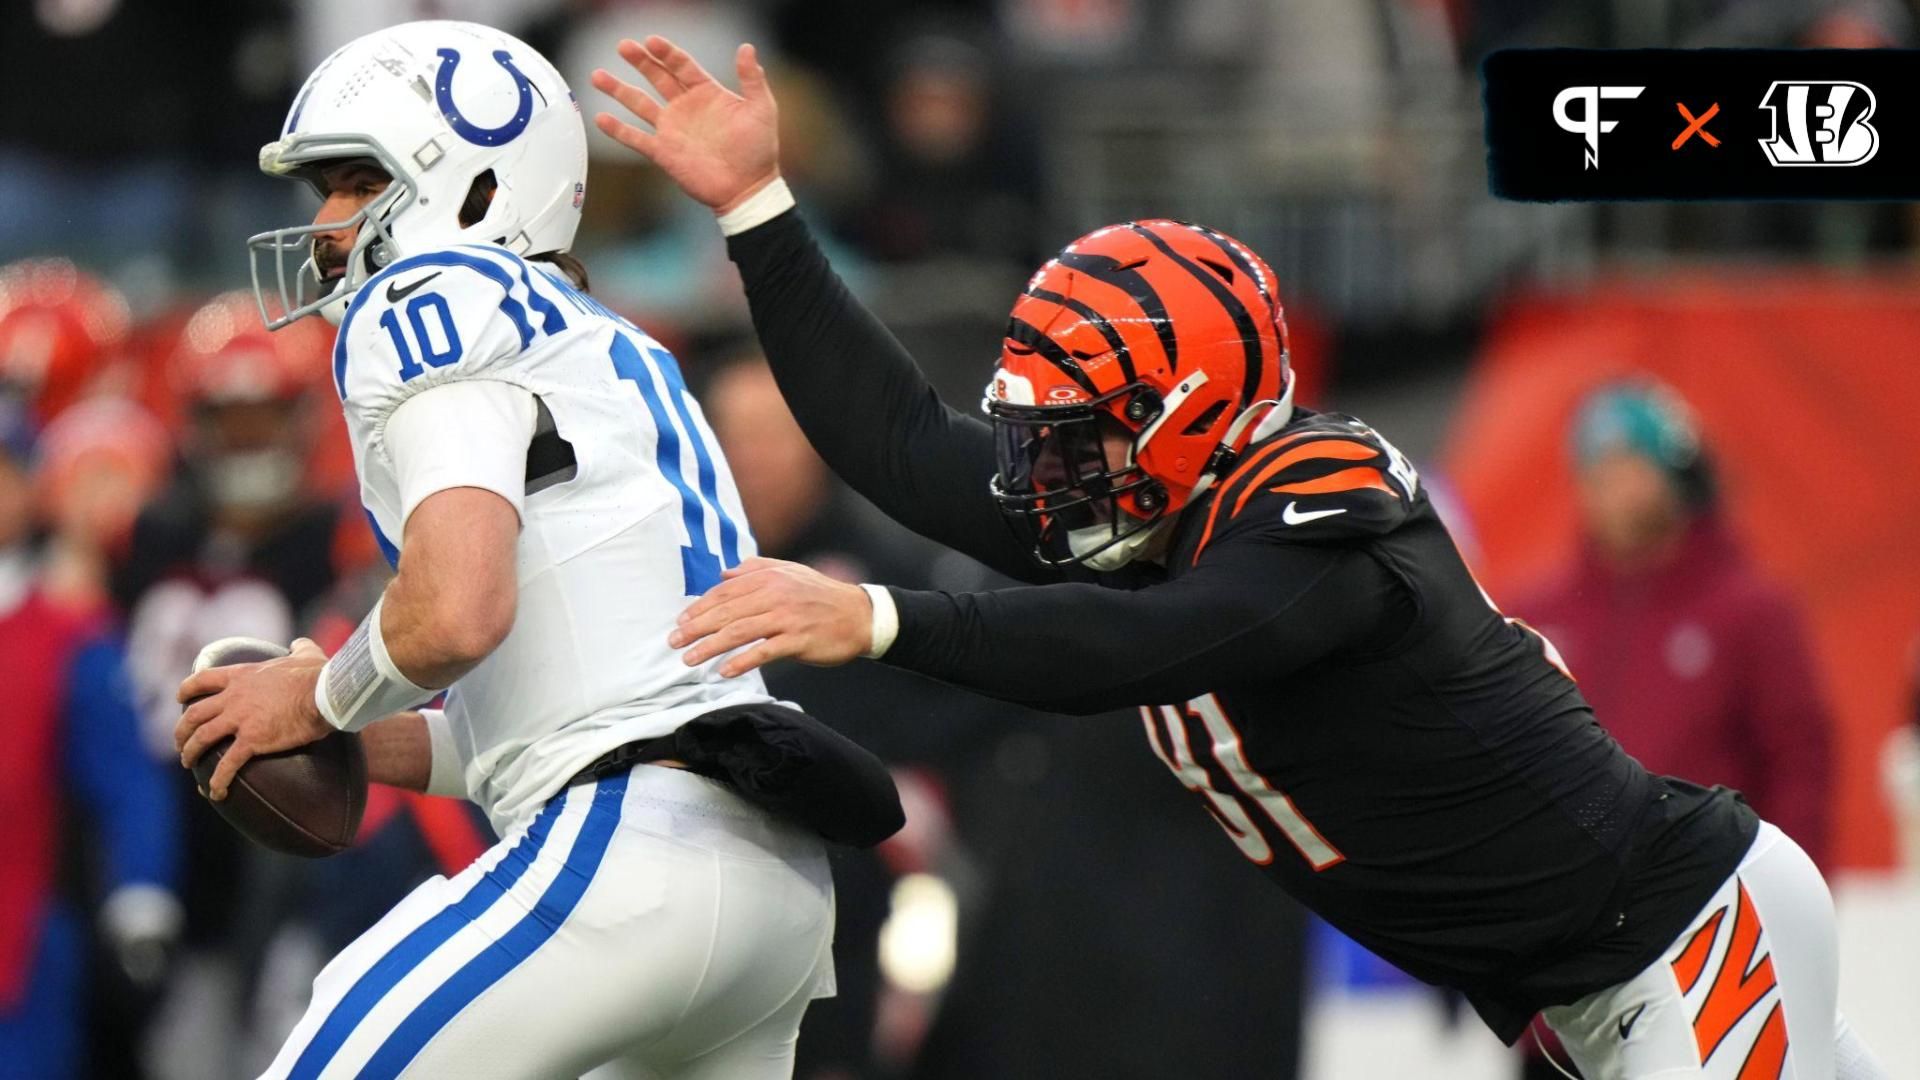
{"x":1134,"y":367}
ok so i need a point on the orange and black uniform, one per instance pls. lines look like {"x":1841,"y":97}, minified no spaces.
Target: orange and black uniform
{"x":1316,"y":663}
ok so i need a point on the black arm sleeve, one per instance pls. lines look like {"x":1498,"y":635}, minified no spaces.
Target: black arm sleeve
{"x":1250,"y":611}
{"x":864,"y":404}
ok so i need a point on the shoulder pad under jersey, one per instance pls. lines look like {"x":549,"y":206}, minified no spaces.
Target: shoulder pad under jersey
{"x":464,"y":312}
{"x":1326,"y":479}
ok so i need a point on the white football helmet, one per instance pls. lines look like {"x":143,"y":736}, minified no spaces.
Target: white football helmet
{"x":436,"y":105}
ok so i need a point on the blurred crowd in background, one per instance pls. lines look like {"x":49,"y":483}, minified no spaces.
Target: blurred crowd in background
{"x":1676,"y":437}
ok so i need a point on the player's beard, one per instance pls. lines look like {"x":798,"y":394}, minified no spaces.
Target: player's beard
{"x":330,"y":263}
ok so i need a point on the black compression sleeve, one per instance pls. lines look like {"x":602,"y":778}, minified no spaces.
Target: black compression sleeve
{"x":864,"y":404}
{"x":1250,"y":610}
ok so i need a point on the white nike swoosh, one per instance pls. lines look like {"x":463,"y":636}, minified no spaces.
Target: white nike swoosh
{"x":1292,"y":515}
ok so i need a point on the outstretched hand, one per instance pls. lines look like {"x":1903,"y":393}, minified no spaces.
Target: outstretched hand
{"x":719,"y":146}
{"x":780,"y":609}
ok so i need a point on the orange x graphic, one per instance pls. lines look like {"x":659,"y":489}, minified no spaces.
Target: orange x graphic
{"x":1697,"y":125}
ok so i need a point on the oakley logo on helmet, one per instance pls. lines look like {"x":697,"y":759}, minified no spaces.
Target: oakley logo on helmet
{"x":1589,"y":125}
{"x":473,"y":133}
{"x":1825,"y":123}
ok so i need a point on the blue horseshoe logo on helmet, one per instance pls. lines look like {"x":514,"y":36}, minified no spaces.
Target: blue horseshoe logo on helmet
{"x":473,"y":133}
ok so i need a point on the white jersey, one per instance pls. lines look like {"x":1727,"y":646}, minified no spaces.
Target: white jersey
{"x":610,"y":552}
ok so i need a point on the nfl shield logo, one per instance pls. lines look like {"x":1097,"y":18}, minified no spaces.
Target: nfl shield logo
{"x":579,"y":195}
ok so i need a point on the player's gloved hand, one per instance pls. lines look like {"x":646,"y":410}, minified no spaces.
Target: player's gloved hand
{"x":266,"y":707}
{"x":141,"y":923}
{"x":789,"y":609}
{"x":719,"y":146}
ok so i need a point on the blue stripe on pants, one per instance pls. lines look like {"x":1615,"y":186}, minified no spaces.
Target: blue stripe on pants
{"x":386,"y":973}
{"x":515,"y":945}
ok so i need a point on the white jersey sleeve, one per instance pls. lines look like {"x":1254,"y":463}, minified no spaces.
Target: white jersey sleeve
{"x":467,"y":433}
{"x":461,"y":315}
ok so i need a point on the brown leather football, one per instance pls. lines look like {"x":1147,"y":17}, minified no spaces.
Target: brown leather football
{"x":306,"y":801}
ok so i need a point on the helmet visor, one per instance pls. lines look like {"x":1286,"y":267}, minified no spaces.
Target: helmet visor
{"x":1066,"y":480}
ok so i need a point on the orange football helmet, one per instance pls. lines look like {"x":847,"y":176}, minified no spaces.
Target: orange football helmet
{"x":59,"y":329}
{"x":249,"y":395}
{"x":98,"y":464}
{"x":1134,"y":366}
{"x":225,"y":356}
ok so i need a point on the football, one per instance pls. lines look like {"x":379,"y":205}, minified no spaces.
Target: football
{"x":305,"y":801}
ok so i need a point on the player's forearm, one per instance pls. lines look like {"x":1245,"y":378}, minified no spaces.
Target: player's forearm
{"x":1065,"y":652}
{"x":415,"y":751}
{"x":1086,"y":649}
{"x":864,"y":403}
{"x":428,"y":640}
{"x":399,"y":751}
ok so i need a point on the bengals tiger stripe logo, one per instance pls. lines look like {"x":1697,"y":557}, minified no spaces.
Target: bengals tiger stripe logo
{"x":1309,"y":463}
{"x":1743,"y":981}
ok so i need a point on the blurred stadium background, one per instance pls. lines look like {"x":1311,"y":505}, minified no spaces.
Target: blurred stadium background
{"x":1055,"y":909}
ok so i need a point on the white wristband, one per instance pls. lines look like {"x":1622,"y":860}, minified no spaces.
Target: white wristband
{"x":886,"y":621}
{"x":761,"y":207}
{"x":448,"y":775}
{"x":360,"y":684}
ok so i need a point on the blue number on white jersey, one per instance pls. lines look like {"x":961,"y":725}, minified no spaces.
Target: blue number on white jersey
{"x":697,"y":561}
{"x":437,"y":357}
{"x":636,"y":358}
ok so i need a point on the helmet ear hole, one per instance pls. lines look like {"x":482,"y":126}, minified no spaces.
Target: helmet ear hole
{"x":1206,"y":420}
{"x":479,"y":197}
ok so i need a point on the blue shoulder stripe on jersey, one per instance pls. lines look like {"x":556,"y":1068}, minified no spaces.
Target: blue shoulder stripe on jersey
{"x":551,"y":323}
{"x":487,"y":268}
{"x":387,"y":972}
{"x":584,"y":303}
{"x":513,"y":947}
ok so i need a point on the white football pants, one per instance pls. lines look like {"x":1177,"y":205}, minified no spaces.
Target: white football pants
{"x":1747,"y":992}
{"x":653,"y":923}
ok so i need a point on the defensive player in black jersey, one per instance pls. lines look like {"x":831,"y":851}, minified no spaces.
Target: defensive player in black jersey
{"x":1312,"y":657}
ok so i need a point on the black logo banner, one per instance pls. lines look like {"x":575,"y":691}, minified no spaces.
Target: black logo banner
{"x":1703,"y":123}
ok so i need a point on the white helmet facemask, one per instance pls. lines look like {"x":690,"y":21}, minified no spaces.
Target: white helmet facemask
{"x":436,"y":105}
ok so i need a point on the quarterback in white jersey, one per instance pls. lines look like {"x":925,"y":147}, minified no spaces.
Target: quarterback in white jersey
{"x":551,"y":499}
{"x":447,"y":363}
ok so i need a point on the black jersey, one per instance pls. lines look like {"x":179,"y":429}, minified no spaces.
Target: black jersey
{"x":1311,"y":658}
